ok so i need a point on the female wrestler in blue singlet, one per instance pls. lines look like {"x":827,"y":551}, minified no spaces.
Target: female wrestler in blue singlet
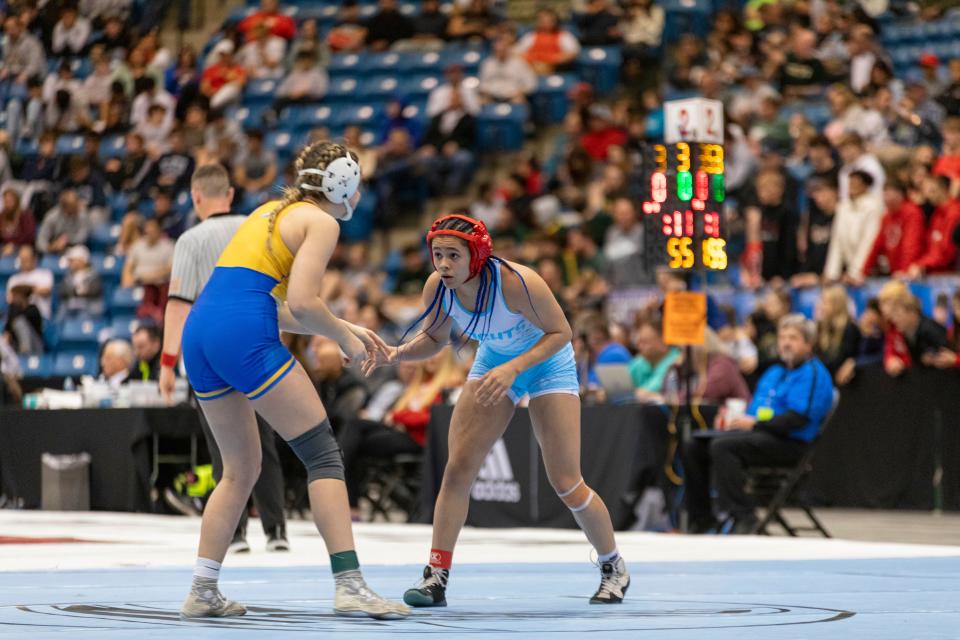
{"x":267,"y":279}
{"x":524,"y":349}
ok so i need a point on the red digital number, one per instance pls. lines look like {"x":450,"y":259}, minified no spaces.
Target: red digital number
{"x":658,"y":187}
{"x":701,"y":185}
{"x":711,"y":224}
{"x":678,"y":224}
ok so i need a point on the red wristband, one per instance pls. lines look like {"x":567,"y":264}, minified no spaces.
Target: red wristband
{"x":168,"y":360}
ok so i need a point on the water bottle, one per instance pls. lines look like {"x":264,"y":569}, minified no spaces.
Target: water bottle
{"x":68,"y":384}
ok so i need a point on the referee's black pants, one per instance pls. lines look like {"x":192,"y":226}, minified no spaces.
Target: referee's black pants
{"x":724,"y":459}
{"x":268,"y":491}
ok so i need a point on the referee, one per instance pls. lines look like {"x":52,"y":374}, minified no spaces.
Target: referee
{"x":194,"y":257}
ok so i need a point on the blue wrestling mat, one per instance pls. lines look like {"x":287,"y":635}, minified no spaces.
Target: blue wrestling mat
{"x":895,"y":599}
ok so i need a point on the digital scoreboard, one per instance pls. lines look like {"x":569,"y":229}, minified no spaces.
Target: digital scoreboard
{"x":685,"y":191}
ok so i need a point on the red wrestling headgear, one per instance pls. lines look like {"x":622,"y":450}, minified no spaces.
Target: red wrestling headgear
{"x":478,"y":239}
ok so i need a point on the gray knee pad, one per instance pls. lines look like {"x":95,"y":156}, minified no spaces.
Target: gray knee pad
{"x":319,"y":452}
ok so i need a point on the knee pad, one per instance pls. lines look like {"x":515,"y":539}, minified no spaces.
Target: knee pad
{"x":578,"y":497}
{"x":319,"y":452}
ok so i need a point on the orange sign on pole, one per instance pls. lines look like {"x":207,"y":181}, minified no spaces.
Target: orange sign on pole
{"x":684,"y":318}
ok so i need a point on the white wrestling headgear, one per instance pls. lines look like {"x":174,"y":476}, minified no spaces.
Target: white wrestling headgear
{"x":341,"y":179}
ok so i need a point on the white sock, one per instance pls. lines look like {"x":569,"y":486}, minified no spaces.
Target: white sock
{"x":607,"y":557}
{"x":206,"y":568}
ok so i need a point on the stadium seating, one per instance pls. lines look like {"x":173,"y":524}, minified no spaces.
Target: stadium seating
{"x":75,"y":363}
{"x":500,"y":127}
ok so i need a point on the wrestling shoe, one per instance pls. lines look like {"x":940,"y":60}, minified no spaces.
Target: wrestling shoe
{"x":431,"y":591}
{"x":614,"y":582}
{"x":354,"y":598}
{"x":206,"y":601}
{"x":239,"y":543}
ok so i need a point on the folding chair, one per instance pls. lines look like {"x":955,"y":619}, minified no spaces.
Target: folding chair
{"x":774,"y":486}
{"x":393,"y":485}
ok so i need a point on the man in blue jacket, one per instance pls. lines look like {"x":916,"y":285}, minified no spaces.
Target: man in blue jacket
{"x":790,"y":403}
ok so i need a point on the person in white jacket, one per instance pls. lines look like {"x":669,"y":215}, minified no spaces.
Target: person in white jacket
{"x":855,"y":227}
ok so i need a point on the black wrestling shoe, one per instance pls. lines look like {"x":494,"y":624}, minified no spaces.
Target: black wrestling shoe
{"x":614,"y":582}
{"x":431,"y":591}
{"x":277,"y":539}
{"x":239,"y":543}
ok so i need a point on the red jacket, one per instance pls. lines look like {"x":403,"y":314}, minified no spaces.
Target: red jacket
{"x":597,"y":143}
{"x":279,"y":24}
{"x":941,"y":252}
{"x":900,"y":239}
{"x":895,"y":346}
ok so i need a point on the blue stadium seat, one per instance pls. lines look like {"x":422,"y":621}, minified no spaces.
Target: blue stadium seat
{"x":249,"y":116}
{"x":283,"y":143}
{"x":113,"y":147}
{"x":380,"y":88}
{"x":428,"y":62}
{"x":123,"y":326}
{"x":600,"y":66}
{"x":744,"y":302}
{"x":76,"y":363}
{"x":306,"y":117}
{"x":260,"y":92}
{"x":350,"y":64}
{"x":550,"y":102}
{"x":39,"y":366}
{"x":69,"y":144}
{"x":8,"y":266}
{"x":126,"y":299}
{"x":500,"y":127}
{"x":56,"y":264}
{"x":387,"y":63}
{"x":343,"y":90}
{"x":28,"y":146}
{"x":686,"y":16}
{"x":109,"y":267}
{"x":469,"y":58}
{"x":359,"y":114}
{"x":103,"y":236}
{"x":805,"y":301}
{"x":80,"y":334}
{"x":420,"y":86}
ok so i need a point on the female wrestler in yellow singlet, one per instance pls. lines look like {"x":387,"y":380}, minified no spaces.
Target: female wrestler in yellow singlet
{"x":268,"y":279}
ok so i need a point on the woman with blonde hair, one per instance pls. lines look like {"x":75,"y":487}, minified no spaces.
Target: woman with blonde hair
{"x":402,"y":428}
{"x":838,"y":337}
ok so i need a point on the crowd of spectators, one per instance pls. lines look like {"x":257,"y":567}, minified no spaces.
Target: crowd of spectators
{"x":868,"y":190}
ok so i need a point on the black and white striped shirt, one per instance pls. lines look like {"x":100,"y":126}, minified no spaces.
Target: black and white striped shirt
{"x":196,"y":254}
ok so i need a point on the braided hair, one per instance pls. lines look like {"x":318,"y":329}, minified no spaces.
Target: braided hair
{"x":314,"y":156}
{"x":488,"y":275}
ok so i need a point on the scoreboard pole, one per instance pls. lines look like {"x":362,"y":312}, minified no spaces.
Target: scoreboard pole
{"x":683,"y":213}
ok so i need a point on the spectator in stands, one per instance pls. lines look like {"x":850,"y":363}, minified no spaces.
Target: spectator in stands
{"x":549,"y":48}
{"x":222,"y":83}
{"x":598,"y":25}
{"x":714,"y":376}
{"x":366,"y":156}
{"x":17,"y":225}
{"x":925,"y":339}
{"x":71,"y":33}
{"x":116,"y":359}
{"x":277,"y":23}
{"x":854,"y":116}
{"x":342,"y":392}
{"x":783,"y":418}
{"x":148,"y":264}
{"x":81,"y":291}
{"x":930,"y":74}
{"x":653,"y":360}
{"x":173,"y":169}
{"x":602,"y":133}
{"x":642,"y":29}
{"x":505,"y":76}
{"x":115,"y":38}
{"x":256,"y":170}
{"x":182,"y":80}
{"x":262,"y":57}
{"x":856,"y":158}
{"x":155,"y":131}
{"x":430,"y":24}
{"x":762,"y":326}
{"x":396,"y":173}
{"x":948,"y":164}
{"x":394,"y":118}
{"x":26,"y":116}
{"x":96,"y":87}
{"x":473,"y":20}
{"x":815,"y":232}
{"x":624,"y":238}
{"x":941,"y":250}
{"x":152,"y":94}
{"x":863,"y":51}
{"x":306,"y":82}
{"x":448,"y":148}
{"x":854,"y":231}
{"x":172,"y":222}
{"x":129,"y":174}
{"x":309,"y":41}
{"x":387,"y":26}
{"x":225,"y":136}
{"x":147,"y":341}
{"x":23,"y":58}
{"x":39,"y":279}
{"x":950,"y":96}
{"x":23,"y":327}
{"x":440,"y":96}
{"x":66,"y":224}
{"x":66,"y":114}
{"x":838,"y":337}
{"x":802,"y":74}
{"x":771,"y":231}
{"x":900,"y":241}
{"x":402,"y":428}
{"x":349,"y":31}
{"x":131,"y":229}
